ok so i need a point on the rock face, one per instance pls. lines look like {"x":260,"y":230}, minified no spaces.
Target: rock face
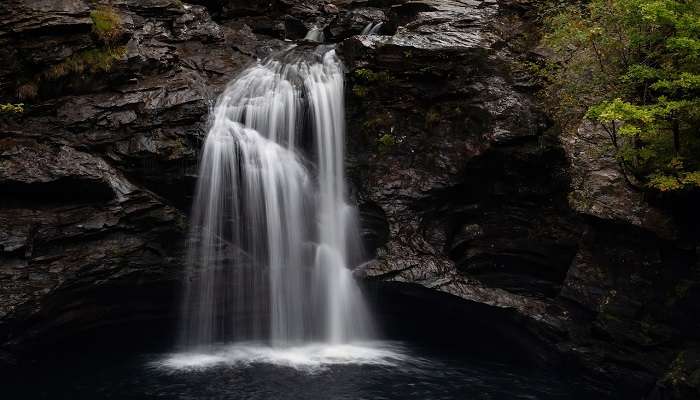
{"x":464,"y":187}
{"x":96,"y":172}
{"x":483,"y":199}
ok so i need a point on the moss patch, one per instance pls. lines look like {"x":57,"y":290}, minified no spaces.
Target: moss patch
{"x":11,"y":108}
{"x":92,"y":61}
{"x":359,"y":90}
{"x":367,"y":75}
{"x":106,"y":24}
{"x":386,"y":140}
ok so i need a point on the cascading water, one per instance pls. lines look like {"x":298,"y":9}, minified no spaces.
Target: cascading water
{"x":373,"y":28}
{"x":272,"y":233}
{"x":315,"y":35}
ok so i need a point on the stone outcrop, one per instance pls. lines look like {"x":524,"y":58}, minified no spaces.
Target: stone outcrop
{"x":97,"y":170}
{"x":486,"y":202}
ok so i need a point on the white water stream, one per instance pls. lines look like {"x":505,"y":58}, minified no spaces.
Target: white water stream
{"x":273,"y":236}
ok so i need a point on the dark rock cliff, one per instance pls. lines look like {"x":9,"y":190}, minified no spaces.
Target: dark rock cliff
{"x":465,"y":187}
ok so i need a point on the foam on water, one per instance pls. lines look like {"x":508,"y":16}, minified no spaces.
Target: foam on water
{"x":308,"y":357}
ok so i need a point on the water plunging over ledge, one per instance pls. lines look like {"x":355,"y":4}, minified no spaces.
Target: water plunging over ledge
{"x":273,"y":235}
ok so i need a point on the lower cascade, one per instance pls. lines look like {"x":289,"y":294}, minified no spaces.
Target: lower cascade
{"x":273,"y":235}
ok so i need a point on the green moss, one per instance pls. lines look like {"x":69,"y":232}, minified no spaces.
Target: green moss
{"x":360,"y":90}
{"x":91,"y":61}
{"x":12,"y":108}
{"x":106,"y":24}
{"x":368,"y":75}
{"x":386,"y":141}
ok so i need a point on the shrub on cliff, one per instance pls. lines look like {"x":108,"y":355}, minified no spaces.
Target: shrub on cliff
{"x":634,"y":67}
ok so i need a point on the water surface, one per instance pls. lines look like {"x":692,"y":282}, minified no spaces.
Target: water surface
{"x":376,"y":370}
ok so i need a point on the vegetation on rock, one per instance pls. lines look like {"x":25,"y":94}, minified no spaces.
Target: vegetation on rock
{"x":106,"y":24}
{"x":386,"y":141}
{"x":11,"y":108}
{"x":634,"y":67}
{"x":107,"y":27}
{"x":368,"y":75}
{"x":91,"y":60}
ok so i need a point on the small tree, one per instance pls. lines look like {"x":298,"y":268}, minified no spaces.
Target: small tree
{"x":634,"y":67}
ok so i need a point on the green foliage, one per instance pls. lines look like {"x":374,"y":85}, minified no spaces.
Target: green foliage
{"x":106,"y":24}
{"x":359,"y":90}
{"x":365,"y":82}
{"x":11,"y":108}
{"x":386,"y":141}
{"x":634,"y":67}
{"x":681,"y":180}
{"x":92,"y":61}
{"x":367,"y":75}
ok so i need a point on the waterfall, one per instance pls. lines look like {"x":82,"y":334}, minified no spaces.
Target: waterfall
{"x":273,"y":235}
{"x":315,"y":35}
{"x":372,"y":28}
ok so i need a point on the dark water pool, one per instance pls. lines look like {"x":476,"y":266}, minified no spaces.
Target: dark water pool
{"x":378,"y":370}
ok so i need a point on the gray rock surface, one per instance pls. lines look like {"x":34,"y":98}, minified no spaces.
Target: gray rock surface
{"x":96,"y":172}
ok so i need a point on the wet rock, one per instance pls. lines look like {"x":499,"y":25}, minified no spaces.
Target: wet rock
{"x":31,"y":163}
{"x":147,"y":114}
{"x":428,"y":100}
{"x":601,"y":189}
{"x":71,"y":224}
{"x":351,"y":22}
{"x":27,"y":32}
{"x":375,"y":228}
{"x":485,"y":202}
{"x":80,"y":224}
